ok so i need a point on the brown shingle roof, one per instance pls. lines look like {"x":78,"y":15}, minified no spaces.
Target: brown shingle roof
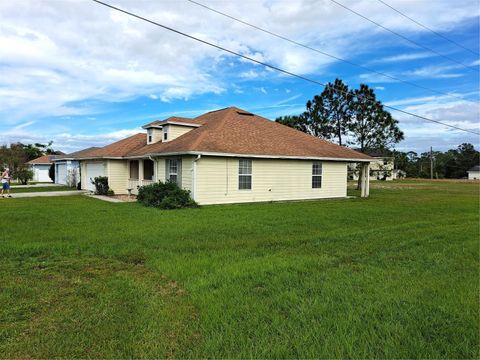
{"x":120,"y":148}
{"x":231,"y":131}
{"x":236,"y":131}
{"x":44,"y":159}
{"x":77,"y":154}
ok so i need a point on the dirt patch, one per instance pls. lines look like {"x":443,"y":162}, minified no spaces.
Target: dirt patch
{"x":125,"y":198}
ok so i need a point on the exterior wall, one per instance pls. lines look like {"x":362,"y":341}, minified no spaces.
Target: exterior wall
{"x":40,"y":172}
{"x":473,"y":175}
{"x":83,"y":171}
{"x":175,"y":131}
{"x":187,"y":171}
{"x":117,"y":176}
{"x":272,"y":180}
{"x":156,"y":135}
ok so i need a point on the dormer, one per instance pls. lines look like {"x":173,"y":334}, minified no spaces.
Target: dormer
{"x":169,"y":129}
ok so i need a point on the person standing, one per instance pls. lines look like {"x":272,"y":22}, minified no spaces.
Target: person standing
{"x":6,"y":182}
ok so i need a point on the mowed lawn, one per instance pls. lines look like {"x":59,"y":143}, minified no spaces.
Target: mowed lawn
{"x":392,"y":276}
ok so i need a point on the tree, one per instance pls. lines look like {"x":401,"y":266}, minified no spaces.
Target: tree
{"x":293,"y":121}
{"x":23,"y":174}
{"x":372,"y":127}
{"x":51,"y":172}
{"x":327,"y":115}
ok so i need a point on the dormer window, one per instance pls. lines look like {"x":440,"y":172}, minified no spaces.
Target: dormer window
{"x":149,"y":136}
{"x":165,"y":133}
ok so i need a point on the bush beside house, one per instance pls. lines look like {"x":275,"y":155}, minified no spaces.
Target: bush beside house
{"x":166,"y":195}
{"x":101,"y":186}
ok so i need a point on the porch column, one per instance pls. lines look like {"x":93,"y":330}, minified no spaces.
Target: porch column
{"x":140,"y":172}
{"x":365,"y":180}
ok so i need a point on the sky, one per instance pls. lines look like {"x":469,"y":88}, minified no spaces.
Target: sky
{"x":81,"y":75}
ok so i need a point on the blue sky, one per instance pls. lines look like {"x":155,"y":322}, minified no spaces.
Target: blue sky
{"x":82,"y":75}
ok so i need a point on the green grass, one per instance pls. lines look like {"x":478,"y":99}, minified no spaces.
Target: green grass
{"x":392,"y":276}
{"x":41,"y":189}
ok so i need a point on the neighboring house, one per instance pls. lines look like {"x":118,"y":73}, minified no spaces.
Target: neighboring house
{"x":382,"y":167}
{"x":226,"y":156}
{"x":474,"y":173}
{"x":41,"y":166}
{"x":67,"y":169}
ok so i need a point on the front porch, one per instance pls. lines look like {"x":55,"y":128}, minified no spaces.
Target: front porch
{"x":141,"y":172}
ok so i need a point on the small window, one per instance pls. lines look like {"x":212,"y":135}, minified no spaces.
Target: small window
{"x":317,"y":175}
{"x":165,"y":136}
{"x":173,"y":170}
{"x":150,"y":136}
{"x":147,"y":169}
{"x":244,"y":174}
{"x":385,"y":162}
{"x":134,"y":169}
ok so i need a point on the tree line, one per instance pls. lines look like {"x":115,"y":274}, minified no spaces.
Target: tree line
{"x":451,"y":164}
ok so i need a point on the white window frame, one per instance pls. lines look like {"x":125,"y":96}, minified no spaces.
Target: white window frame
{"x":317,"y":174}
{"x":165,"y":133}
{"x":245,"y":172}
{"x":178,"y":170}
{"x":149,"y":136}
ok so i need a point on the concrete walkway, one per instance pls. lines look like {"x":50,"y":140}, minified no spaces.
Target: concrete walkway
{"x":105,"y":198}
{"x":45,"y":194}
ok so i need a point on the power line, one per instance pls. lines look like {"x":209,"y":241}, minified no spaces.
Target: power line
{"x":404,"y":37}
{"x":265,"y":64}
{"x":427,"y":28}
{"x":324,"y":53}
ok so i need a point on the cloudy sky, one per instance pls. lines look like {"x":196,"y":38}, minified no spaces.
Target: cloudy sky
{"x":81,"y":74}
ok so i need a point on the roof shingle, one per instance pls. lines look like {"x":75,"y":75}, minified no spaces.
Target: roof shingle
{"x":232,"y":131}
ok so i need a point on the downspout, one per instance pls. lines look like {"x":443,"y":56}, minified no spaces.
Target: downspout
{"x":155,"y":170}
{"x":194,"y":177}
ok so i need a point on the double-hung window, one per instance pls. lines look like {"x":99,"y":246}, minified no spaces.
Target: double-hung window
{"x":173,"y":170}
{"x":244,"y":174}
{"x":316,"y":175}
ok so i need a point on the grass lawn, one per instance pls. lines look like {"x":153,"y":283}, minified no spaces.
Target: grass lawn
{"x":392,"y":276}
{"x":41,"y":189}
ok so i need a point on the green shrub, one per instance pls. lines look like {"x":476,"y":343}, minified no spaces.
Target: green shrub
{"x":23,"y":174}
{"x":110,"y":192}
{"x":101,"y":185}
{"x":166,"y":195}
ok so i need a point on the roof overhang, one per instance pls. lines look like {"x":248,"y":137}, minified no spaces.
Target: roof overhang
{"x":285,"y":157}
{"x":168,"y":122}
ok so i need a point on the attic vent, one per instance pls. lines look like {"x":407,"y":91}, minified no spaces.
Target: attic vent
{"x":244,"y":113}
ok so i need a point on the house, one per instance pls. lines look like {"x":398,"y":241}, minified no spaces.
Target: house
{"x":226,"y":156}
{"x":67,"y":169}
{"x":382,"y":167}
{"x":41,"y":166}
{"x":474,"y":173}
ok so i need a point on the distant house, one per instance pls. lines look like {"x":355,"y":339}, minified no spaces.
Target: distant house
{"x":225,"y":156}
{"x":67,"y":168}
{"x":382,"y":167}
{"x":474,"y":173}
{"x":41,"y":166}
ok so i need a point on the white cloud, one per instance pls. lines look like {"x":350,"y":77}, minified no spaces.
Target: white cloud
{"x":403,"y":57}
{"x":64,"y":58}
{"x":381,"y":88}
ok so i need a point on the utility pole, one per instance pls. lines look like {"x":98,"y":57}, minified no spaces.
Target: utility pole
{"x":431,"y":163}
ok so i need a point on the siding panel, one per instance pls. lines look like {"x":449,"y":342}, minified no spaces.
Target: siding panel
{"x":117,"y":172}
{"x":272,"y":180}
